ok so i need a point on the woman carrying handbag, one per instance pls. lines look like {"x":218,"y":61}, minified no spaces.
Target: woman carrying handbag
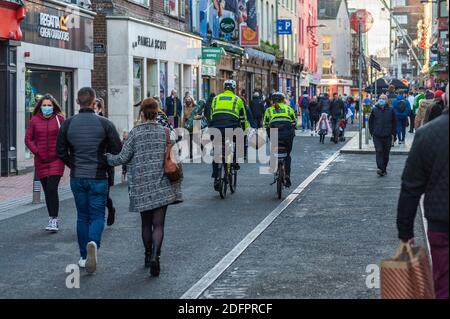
{"x":151,"y":190}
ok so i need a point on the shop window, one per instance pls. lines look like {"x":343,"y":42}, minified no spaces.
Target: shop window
{"x":163,"y":82}
{"x":443,"y":9}
{"x":326,"y":43}
{"x":326,"y":66}
{"x":138,"y":85}
{"x":195,"y":83}
{"x":39,"y":81}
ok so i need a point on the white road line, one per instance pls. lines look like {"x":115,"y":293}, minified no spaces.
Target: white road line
{"x":196,"y":290}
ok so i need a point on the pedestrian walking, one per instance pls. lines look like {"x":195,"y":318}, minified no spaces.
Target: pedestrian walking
{"x":257,"y":109}
{"x":173,"y":109}
{"x":99,"y":110}
{"x":352,"y":107}
{"x":424,"y":103}
{"x":412,"y":114}
{"x":323,"y":127}
{"x":82,"y":142}
{"x":437,"y":108}
{"x":150,"y":190}
{"x":382,"y":127}
{"x":324,"y":104}
{"x":337,"y":113}
{"x":402,"y":110}
{"x":426,"y":173}
{"x":189,"y":105}
{"x":40,"y":138}
{"x":124,"y":167}
{"x":304,"y":107}
{"x":314,"y":114}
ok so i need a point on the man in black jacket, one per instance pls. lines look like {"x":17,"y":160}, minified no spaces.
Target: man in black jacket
{"x":426,"y":173}
{"x":382,"y":127}
{"x":82,"y":143}
{"x":337,"y":112}
{"x":257,"y":109}
{"x":174,"y":108}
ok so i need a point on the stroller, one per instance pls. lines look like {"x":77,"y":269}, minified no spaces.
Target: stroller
{"x":342,"y":126}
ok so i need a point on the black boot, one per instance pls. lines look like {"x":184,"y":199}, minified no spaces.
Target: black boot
{"x":111,"y":216}
{"x":154,"y":263}
{"x":148,"y":256}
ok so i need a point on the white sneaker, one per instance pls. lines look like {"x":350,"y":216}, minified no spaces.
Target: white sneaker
{"x":55,"y":223}
{"x":91,"y":260}
{"x":50,"y":224}
{"x":82,"y":263}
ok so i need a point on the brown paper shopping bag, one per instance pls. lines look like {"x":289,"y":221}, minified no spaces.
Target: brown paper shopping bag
{"x":407,"y":275}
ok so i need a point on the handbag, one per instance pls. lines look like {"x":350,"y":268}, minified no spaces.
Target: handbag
{"x":171,"y":168}
{"x":407,"y":275}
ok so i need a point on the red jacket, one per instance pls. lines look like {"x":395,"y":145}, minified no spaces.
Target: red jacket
{"x":41,"y":138}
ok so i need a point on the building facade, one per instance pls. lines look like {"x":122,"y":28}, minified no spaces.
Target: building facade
{"x":143,"y":49}
{"x":334,"y":51}
{"x":56,"y":57}
{"x":307,"y":45}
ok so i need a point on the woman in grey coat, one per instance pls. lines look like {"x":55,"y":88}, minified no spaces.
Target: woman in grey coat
{"x":150,"y":190}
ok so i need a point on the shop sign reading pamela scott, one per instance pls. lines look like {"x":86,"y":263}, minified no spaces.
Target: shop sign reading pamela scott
{"x":151,"y":43}
{"x":54,"y":27}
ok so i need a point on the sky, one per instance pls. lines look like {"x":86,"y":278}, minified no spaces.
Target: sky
{"x":378,"y":37}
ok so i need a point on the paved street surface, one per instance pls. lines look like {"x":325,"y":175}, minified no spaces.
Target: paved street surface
{"x":318,"y":247}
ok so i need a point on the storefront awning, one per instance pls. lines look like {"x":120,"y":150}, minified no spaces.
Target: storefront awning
{"x":228,"y":47}
{"x":260,"y":55}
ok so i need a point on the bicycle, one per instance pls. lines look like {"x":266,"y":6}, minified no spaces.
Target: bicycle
{"x":280,"y":173}
{"x":227,"y":173}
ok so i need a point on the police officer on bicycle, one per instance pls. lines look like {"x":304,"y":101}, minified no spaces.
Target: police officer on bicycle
{"x":282,"y":117}
{"x":227,"y":111}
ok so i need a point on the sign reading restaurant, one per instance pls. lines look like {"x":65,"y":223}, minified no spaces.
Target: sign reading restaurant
{"x":53,"y":27}
{"x":152,"y":43}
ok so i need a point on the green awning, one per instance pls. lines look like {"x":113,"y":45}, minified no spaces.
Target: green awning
{"x":228,"y":47}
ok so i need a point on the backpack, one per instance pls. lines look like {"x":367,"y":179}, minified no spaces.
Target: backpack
{"x":305,"y":102}
{"x":401,"y":106}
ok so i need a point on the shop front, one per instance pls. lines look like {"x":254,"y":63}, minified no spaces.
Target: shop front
{"x":56,"y":57}
{"x":256,"y":71}
{"x":339,"y":86}
{"x":145,"y":60}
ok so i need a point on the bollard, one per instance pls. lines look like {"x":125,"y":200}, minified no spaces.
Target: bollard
{"x":366,"y":121}
{"x":36,"y":190}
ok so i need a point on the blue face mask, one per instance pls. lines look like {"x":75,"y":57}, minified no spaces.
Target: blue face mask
{"x":382,"y":102}
{"x":47,"y":110}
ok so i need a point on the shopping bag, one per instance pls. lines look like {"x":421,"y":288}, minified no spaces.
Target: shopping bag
{"x":407,"y":275}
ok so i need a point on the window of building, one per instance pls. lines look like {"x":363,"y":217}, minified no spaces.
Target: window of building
{"x":175,"y":8}
{"x":402,"y":19}
{"x":142,"y":2}
{"x":443,"y":9}
{"x":398,"y":3}
{"x":138,"y":85}
{"x":326,"y":66}
{"x":326,"y":43}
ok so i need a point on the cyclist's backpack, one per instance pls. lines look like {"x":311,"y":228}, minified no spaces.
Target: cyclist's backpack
{"x":401,"y":106}
{"x":305,"y":102}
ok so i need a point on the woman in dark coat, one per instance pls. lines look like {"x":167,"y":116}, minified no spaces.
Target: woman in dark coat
{"x":40,"y":138}
{"x":314,"y":113}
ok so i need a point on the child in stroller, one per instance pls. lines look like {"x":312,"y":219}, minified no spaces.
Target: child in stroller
{"x":342,"y":126}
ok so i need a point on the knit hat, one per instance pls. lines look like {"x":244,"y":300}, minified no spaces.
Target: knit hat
{"x":438,"y":93}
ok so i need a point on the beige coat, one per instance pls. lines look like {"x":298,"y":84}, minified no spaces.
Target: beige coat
{"x":422,"y":111}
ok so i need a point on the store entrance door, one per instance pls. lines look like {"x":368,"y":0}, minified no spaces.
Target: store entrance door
{"x":41,"y":80}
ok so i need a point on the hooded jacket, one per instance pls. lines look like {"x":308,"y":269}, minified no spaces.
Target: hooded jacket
{"x":396,"y":106}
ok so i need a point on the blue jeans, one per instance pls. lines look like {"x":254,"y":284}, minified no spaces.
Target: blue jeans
{"x":306,"y":122}
{"x":90,"y":199}
{"x":401,"y":129}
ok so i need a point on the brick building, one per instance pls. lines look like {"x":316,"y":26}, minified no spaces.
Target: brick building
{"x":142,"y":48}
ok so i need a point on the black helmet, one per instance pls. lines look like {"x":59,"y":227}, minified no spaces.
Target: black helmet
{"x":278,"y":97}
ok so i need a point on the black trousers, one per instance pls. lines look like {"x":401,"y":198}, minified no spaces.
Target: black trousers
{"x":382,"y":149}
{"x":412,"y":118}
{"x":215,"y":166}
{"x":50,"y":185}
{"x":286,"y":134}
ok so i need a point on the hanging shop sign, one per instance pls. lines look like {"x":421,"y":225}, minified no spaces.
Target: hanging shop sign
{"x":227,"y":25}
{"x":248,"y":37}
{"x":211,"y":53}
{"x":209,"y":68}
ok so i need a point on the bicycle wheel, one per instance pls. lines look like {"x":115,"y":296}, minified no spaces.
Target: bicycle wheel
{"x":232,"y":179}
{"x":223,"y":183}
{"x":280,"y":180}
